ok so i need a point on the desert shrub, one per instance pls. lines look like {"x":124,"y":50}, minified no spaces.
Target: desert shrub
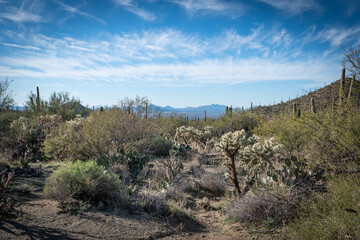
{"x":235,"y":122}
{"x":85,"y":181}
{"x":155,"y":146}
{"x":154,"y":205}
{"x":7,"y":204}
{"x":331,"y":215}
{"x":289,"y":131}
{"x":212,"y":182}
{"x":133,"y":161}
{"x":267,"y":209}
{"x":177,"y":189}
{"x":335,"y":138}
{"x":28,"y":137}
{"x":99,"y":136}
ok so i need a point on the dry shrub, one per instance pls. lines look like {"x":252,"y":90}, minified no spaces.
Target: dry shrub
{"x":154,"y":204}
{"x":267,"y":208}
{"x":176,"y":190}
{"x":211,"y":182}
{"x":271,"y":208}
{"x":7,"y":205}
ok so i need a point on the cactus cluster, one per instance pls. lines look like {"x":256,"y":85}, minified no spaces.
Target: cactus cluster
{"x":189,"y":135}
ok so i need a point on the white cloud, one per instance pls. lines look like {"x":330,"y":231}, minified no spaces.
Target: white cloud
{"x":211,"y":7}
{"x":167,"y":57}
{"x":130,"y":6}
{"x":20,"y":46}
{"x":293,"y":7}
{"x":73,"y":10}
{"x":21,"y":15}
{"x":338,"y":36}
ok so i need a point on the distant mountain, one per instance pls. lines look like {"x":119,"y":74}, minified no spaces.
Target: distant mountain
{"x":19,"y":108}
{"x":212,"y":111}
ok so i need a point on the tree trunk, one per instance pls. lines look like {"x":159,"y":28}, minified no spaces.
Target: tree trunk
{"x":234,"y":176}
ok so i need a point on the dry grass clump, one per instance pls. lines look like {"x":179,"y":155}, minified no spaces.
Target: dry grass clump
{"x":177,"y":190}
{"x":154,"y":204}
{"x":211,"y":182}
{"x":267,"y":209}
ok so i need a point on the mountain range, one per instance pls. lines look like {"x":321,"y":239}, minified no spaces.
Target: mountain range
{"x":212,"y":111}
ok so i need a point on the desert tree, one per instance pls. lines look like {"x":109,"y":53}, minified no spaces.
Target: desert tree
{"x":6,"y":98}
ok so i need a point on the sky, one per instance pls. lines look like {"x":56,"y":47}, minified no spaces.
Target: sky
{"x":175,"y":52}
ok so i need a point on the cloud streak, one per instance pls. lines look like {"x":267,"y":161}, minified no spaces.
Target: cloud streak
{"x":293,"y":7}
{"x":193,"y":7}
{"x":21,"y":15}
{"x":73,"y":10}
{"x":130,"y":6}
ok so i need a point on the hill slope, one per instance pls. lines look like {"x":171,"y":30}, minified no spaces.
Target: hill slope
{"x":324,"y":97}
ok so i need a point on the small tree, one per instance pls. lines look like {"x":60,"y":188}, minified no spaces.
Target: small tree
{"x":6,"y":98}
{"x":351,"y":59}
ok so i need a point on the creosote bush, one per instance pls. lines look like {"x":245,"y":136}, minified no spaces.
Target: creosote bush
{"x":85,"y":181}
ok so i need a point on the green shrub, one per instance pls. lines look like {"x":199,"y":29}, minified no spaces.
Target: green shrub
{"x":155,"y":146}
{"x":331,"y":215}
{"x":85,"y":181}
{"x":98,"y":136}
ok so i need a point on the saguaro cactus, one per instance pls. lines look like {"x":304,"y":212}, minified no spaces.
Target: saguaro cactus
{"x":36,"y":105}
{"x":342,"y":86}
{"x":294,"y":109}
{"x":351,"y":86}
{"x":312,"y":105}
{"x":205,"y":115}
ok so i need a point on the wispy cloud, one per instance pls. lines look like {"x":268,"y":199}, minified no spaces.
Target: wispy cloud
{"x":22,"y":14}
{"x":293,"y":7}
{"x":20,"y":46}
{"x":132,"y":7}
{"x":77,"y":11}
{"x":166,"y":57}
{"x":211,"y":7}
{"x":338,"y":36}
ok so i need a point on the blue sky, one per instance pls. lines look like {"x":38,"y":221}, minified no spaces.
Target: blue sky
{"x":175,"y":52}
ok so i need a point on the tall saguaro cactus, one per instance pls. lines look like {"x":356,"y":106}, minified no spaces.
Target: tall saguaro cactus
{"x":312,"y":105}
{"x":294,"y":109}
{"x":36,"y":105}
{"x":342,"y":86}
{"x":351,"y":86}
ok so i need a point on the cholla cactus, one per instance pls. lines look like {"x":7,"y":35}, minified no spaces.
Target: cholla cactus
{"x":188,"y":135}
{"x":256,"y":157}
{"x":259,"y":158}
{"x":231,"y":144}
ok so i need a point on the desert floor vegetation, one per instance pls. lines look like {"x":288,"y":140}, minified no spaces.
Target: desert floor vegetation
{"x":126,"y":172}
